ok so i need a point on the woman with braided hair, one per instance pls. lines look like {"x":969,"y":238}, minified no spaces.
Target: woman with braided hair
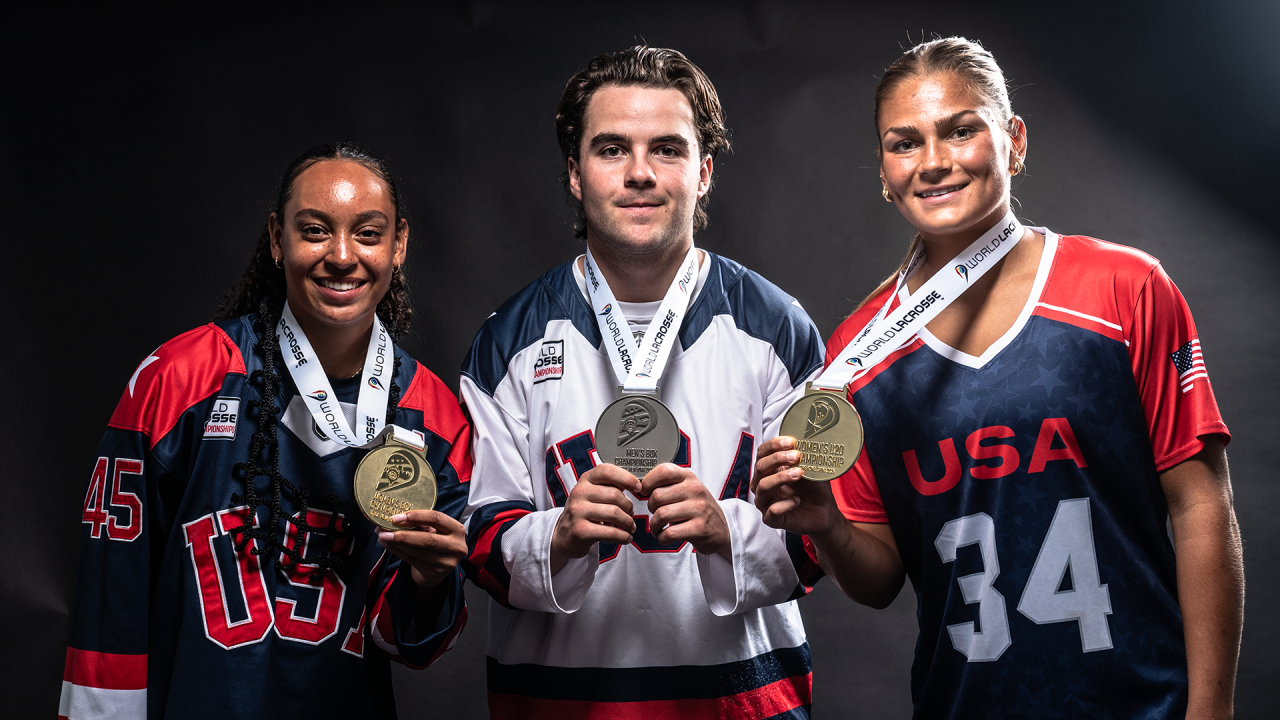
{"x":226,"y":568}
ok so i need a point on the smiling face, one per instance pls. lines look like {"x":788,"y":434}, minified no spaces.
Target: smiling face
{"x":338,"y":240}
{"x":945,"y":157}
{"x":640,"y":173}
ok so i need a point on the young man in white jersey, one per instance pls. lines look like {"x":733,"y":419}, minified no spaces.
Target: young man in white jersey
{"x":662,"y":594}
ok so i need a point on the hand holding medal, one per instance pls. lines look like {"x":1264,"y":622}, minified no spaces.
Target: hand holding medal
{"x":637,"y":432}
{"x":824,"y":424}
{"x":394,"y":479}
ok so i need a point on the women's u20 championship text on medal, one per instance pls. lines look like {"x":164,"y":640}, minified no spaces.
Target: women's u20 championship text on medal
{"x":828,"y":434}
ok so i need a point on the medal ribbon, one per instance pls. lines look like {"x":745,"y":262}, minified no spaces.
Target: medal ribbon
{"x":317,"y":393}
{"x":639,"y":367}
{"x":889,"y":331}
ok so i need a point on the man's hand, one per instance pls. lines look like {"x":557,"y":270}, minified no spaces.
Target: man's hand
{"x":682,"y":509}
{"x":787,"y":501}
{"x":597,"y":511}
{"x":433,"y":544}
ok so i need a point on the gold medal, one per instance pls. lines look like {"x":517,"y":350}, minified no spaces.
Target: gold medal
{"x":828,"y":433}
{"x":645,"y":431}
{"x":394,"y":479}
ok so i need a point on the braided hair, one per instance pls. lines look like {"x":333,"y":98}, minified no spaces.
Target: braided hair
{"x":262,"y":289}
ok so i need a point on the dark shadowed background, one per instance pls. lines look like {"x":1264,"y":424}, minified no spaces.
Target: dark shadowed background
{"x":141,"y":153}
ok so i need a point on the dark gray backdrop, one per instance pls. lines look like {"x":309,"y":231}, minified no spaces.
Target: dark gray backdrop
{"x":141,"y":152}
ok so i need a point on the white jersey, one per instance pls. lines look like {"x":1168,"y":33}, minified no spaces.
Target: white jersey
{"x":642,"y":623}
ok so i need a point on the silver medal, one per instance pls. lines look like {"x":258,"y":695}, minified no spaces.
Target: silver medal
{"x":637,"y":433}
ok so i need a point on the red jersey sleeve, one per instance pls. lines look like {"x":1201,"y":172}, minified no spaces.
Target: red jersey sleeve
{"x":1169,"y":369}
{"x":856,"y":492}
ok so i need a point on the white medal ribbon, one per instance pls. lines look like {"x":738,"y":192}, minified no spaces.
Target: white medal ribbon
{"x":639,"y":366}
{"x":889,"y":331}
{"x":317,"y":393}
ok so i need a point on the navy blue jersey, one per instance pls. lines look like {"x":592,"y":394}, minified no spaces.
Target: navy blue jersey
{"x":1023,"y":491}
{"x":171,"y":619}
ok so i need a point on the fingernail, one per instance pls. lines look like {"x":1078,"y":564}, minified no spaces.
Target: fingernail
{"x":385,"y":537}
{"x":795,"y":473}
{"x":397,"y":519}
{"x":793,"y":456}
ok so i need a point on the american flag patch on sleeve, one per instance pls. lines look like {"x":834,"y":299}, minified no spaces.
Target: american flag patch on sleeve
{"x":1190,"y":364}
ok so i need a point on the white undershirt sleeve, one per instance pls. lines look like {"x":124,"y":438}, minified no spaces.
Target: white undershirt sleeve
{"x":759,"y":571}
{"x":526,"y":552}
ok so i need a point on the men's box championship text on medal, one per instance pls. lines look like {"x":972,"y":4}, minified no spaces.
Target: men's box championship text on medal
{"x":638,"y":460}
{"x":821,"y":457}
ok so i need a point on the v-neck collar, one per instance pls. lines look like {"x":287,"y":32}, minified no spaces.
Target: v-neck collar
{"x":1033,"y":298}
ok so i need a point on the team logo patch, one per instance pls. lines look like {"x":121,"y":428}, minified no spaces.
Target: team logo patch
{"x":320,"y":395}
{"x":375,"y":384}
{"x":222,"y":419}
{"x":550,"y":363}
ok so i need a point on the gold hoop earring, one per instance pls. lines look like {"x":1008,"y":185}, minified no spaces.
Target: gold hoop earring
{"x":884,"y":193}
{"x":1017,"y":166}
{"x":279,"y":263}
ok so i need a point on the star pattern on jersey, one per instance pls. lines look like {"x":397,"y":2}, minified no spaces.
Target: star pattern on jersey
{"x":1029,"y":495}
{"x":964,"y":408}
{"x":1118,"y":437}
{"x":1049,"y":380}
{"x":1083,"y":400}
{"x":1026,"y":412}
{"x":931,"y":405}
{"x":1000,"y":395}
{"x":1028,"y":545}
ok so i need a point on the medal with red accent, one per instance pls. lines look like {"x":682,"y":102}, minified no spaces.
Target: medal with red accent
{"x":394,"y":478}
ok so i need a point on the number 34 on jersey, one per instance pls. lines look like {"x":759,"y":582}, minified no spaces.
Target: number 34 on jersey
{"x":1067,"y":555}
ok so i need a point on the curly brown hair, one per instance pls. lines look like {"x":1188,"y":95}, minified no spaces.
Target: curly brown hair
{"x":640,"y":66}
{"x":262,"y":280}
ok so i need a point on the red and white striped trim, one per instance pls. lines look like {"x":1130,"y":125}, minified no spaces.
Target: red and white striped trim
{"x":103,"y":685}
